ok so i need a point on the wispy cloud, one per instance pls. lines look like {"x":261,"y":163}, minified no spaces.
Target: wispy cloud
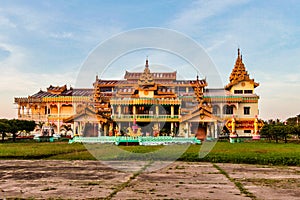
{"x":4,"y":21}
{"x":46,"y":42}
{"x":62,"y":35}
{"x":190,"y":19}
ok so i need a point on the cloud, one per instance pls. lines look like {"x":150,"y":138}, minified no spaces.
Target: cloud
{"x":19,"y":84}
{"x":16,"y":82}
{"x":6,"y":22}
{"x":191,"y":17}
{"x":15,"y":56}
{"x":3,"y":53}
{"x":62,"y":35}
{"x":268,"y":37}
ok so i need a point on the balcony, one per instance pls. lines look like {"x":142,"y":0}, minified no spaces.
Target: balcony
{"x":32,"y":117}
{"x":146,"y":118}
{"x":37,"y":117}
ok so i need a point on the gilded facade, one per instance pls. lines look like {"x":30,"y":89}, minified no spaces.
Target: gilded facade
{"x":151,"y":103}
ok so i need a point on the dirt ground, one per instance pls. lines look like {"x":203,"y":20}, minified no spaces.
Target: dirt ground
{"x":40,"y":179}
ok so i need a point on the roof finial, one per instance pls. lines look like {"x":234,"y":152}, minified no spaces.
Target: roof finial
{"x":239,"y":52}
{"x":147,"y":65}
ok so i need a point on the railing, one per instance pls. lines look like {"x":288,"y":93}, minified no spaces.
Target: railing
{"x":45,"y":117}
{"x":32,"y":117}
{"x":60,"y":116}
{"x":144,"y":101}
{"x":139,"y":116}
{"x":67,"y":99}
{"x":142,"y":140}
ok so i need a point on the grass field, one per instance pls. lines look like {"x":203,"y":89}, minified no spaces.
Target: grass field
{"x":250,"y":152}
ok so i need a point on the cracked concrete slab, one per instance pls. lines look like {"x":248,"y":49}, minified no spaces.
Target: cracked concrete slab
{"x":42,"y":179}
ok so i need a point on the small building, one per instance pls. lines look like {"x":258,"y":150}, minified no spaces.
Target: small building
{"x":54,"y":105}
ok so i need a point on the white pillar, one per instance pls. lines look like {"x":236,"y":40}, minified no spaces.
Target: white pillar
{"x":187,"y":130}
{"x":207,"y":130}
{"x":216,"y":129}
{"x":119,"y":111}
{"x":119,"y":129}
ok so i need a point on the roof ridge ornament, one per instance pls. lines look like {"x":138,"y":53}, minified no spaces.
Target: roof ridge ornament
{"x":147,"y":64}
{"x":146,"y":77}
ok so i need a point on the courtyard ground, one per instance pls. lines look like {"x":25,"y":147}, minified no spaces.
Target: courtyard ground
{"x":44,"y":179}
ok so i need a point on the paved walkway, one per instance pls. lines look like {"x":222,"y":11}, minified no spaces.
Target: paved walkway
{"x":139,"y":180}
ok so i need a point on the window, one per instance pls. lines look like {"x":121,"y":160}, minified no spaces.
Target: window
{"x":216,"y":110}
{"x":228,"y":110}
{"x":246,"y":110}
{"x":248,"y":91}
{"x":105,"y":89}
{"x":238,"y":91}
{"x":247,"y":131}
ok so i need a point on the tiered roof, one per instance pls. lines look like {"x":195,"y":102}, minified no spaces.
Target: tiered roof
{"x":156,"y":76}
{"x":67,"y":92}
{"x":239,"y":73}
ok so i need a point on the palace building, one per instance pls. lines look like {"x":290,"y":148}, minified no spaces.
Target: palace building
{"x":150,"y":104}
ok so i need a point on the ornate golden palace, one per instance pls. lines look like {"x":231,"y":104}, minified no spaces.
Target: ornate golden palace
{"x":151,"y":104}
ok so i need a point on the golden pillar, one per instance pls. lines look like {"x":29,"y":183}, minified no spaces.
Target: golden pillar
{"x":172,"y":111}
{"x":256,"y":135}
{"x":233,"y":131}
{"x":134,"y":110}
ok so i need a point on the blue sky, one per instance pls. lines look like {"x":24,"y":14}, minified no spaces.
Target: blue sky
{"x":46,"y":42}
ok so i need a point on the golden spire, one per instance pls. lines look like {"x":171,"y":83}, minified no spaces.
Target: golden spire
{"x":146,"y":77}
{"x":239,"y":72}
{"x":147,"y":65}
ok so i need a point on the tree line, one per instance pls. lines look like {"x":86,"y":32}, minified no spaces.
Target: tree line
{"x":14,"y":126}
{"x":278,"y":130}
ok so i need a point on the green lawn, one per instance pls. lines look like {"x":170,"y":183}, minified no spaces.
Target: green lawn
{"x":250,"y":152}
{"x":34,"y":150}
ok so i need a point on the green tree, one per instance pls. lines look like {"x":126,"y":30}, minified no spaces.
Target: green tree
{"x":4,"y":128}
{"x":293,"y":120}
{"x":296,"y":131}
{"x":67,"y":128}
{"x":40,"y":125}
{"x":266,"y":131}
{"x":20,"y":125}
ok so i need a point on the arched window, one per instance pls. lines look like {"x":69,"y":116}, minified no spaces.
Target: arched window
{"x":66,"y":109}
{"x":216,"y":110}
